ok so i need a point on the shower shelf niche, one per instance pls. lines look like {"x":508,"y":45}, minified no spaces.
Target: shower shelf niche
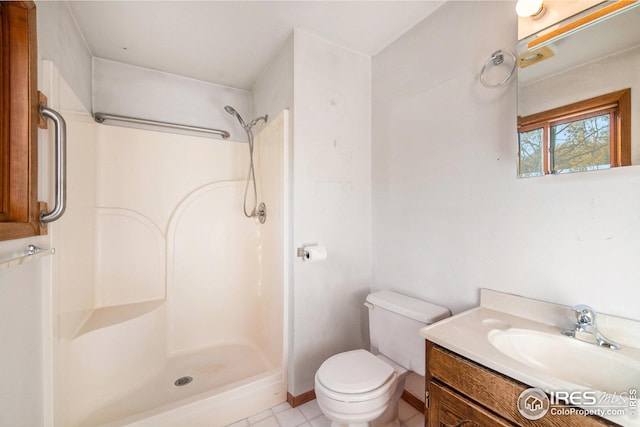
{"x":103,"y":317}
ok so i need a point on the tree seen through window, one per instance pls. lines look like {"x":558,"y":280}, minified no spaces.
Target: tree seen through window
{"x":587,"y":135}
{"x":581,"y":144}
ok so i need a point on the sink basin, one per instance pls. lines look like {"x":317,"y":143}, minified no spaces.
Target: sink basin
{"x":582,"y":364}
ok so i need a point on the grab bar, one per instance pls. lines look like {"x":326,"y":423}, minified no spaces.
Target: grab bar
{"x":61,"y":166}
{"x":101,"y":117}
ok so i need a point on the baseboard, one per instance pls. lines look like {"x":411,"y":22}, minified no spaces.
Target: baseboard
{"x":413,"y":401}
{"x":301,"y":399}
{"x":311,"y":395}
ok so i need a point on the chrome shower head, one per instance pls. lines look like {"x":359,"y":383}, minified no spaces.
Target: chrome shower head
{"x":229,"y":109}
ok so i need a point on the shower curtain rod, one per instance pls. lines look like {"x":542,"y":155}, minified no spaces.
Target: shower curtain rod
{"x":102,"y":117}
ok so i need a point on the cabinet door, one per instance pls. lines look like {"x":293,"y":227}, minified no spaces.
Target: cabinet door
{"x":449,"y":409}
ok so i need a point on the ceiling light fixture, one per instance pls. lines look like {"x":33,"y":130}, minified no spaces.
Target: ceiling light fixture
{"x":530,"y":8}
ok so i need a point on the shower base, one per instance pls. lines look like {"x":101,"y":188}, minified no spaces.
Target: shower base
{"x":227,"y":382}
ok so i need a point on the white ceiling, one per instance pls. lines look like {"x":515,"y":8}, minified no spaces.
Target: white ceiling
{"x":230,"y":42}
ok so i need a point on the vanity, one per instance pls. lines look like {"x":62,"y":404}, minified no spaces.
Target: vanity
{"x":507,"y":363}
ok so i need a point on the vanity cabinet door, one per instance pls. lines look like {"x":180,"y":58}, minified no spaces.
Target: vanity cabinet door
{"x":450,"y":409}
{"x":484,"y":393}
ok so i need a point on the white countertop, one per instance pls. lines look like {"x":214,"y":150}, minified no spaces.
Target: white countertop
{"x":467,"y":334}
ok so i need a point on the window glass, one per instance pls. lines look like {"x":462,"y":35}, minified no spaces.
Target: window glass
{"x":531,"y":152}
{"x":581,"y":145}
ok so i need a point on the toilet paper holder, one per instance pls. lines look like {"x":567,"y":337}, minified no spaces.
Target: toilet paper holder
{"x":304,"y":252}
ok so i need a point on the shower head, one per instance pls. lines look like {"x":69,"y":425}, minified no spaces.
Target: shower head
{"x":229,"y":109}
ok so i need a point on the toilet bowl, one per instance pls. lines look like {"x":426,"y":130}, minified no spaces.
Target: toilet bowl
{"x":359,"y":388}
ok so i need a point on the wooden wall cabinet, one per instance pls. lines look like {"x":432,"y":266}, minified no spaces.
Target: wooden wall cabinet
{"x":462,"y":393}
{"x":19,"y":116}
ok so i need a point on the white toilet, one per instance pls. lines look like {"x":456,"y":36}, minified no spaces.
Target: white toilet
{"x":360,"y":388}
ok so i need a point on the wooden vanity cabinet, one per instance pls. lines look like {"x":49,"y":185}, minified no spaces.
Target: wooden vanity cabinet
{"x":448,"y":408}
{"x":462,"y":393}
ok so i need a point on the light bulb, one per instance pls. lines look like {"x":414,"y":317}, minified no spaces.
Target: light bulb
{"x":526,"y":8}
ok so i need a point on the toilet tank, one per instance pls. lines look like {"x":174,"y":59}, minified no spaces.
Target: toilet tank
{"x":394,"y":322}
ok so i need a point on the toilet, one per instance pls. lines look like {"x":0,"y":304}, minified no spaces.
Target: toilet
{"x":361,"y":388}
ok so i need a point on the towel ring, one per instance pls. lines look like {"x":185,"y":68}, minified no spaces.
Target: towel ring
{"x":497,"y":58}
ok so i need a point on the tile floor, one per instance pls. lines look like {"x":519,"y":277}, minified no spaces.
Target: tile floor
{"x":310,"y":415}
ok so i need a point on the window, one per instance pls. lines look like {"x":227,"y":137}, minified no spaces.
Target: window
{"x":587,"y":135}
{"x":19,"y":210}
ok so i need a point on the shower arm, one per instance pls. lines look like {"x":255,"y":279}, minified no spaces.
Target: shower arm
{"x":256,"y":120}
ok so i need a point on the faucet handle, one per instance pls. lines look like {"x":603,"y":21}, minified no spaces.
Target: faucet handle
{"x":585,"y":315}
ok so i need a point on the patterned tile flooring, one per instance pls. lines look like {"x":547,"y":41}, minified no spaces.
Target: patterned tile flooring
{"x":310,"y":415}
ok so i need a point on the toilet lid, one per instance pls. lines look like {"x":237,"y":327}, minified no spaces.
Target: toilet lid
{"x":356,"y":371}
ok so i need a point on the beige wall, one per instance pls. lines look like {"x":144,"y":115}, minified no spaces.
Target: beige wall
{"x":444,"y":167}
{"x":329,"y":88}
{"x":331,"y":202}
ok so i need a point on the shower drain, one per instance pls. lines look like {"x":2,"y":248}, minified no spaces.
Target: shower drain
{"x":182,"y":381}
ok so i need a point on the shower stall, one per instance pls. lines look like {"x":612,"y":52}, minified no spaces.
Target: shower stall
{"x":168,"y":302}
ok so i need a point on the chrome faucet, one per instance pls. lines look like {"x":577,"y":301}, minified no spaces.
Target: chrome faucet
{"x":586,"y":324}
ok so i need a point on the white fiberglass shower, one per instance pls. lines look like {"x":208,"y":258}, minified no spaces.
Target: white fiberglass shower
{"x":168,"y":301}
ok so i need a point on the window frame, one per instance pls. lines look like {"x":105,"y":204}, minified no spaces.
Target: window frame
{"x":617,"y":103}
{"x":19,"y":209}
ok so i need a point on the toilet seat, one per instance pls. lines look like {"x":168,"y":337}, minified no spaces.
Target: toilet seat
{"x":356,"y":371}
{"x":382,"y":391}
{"x":355,"y":376}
